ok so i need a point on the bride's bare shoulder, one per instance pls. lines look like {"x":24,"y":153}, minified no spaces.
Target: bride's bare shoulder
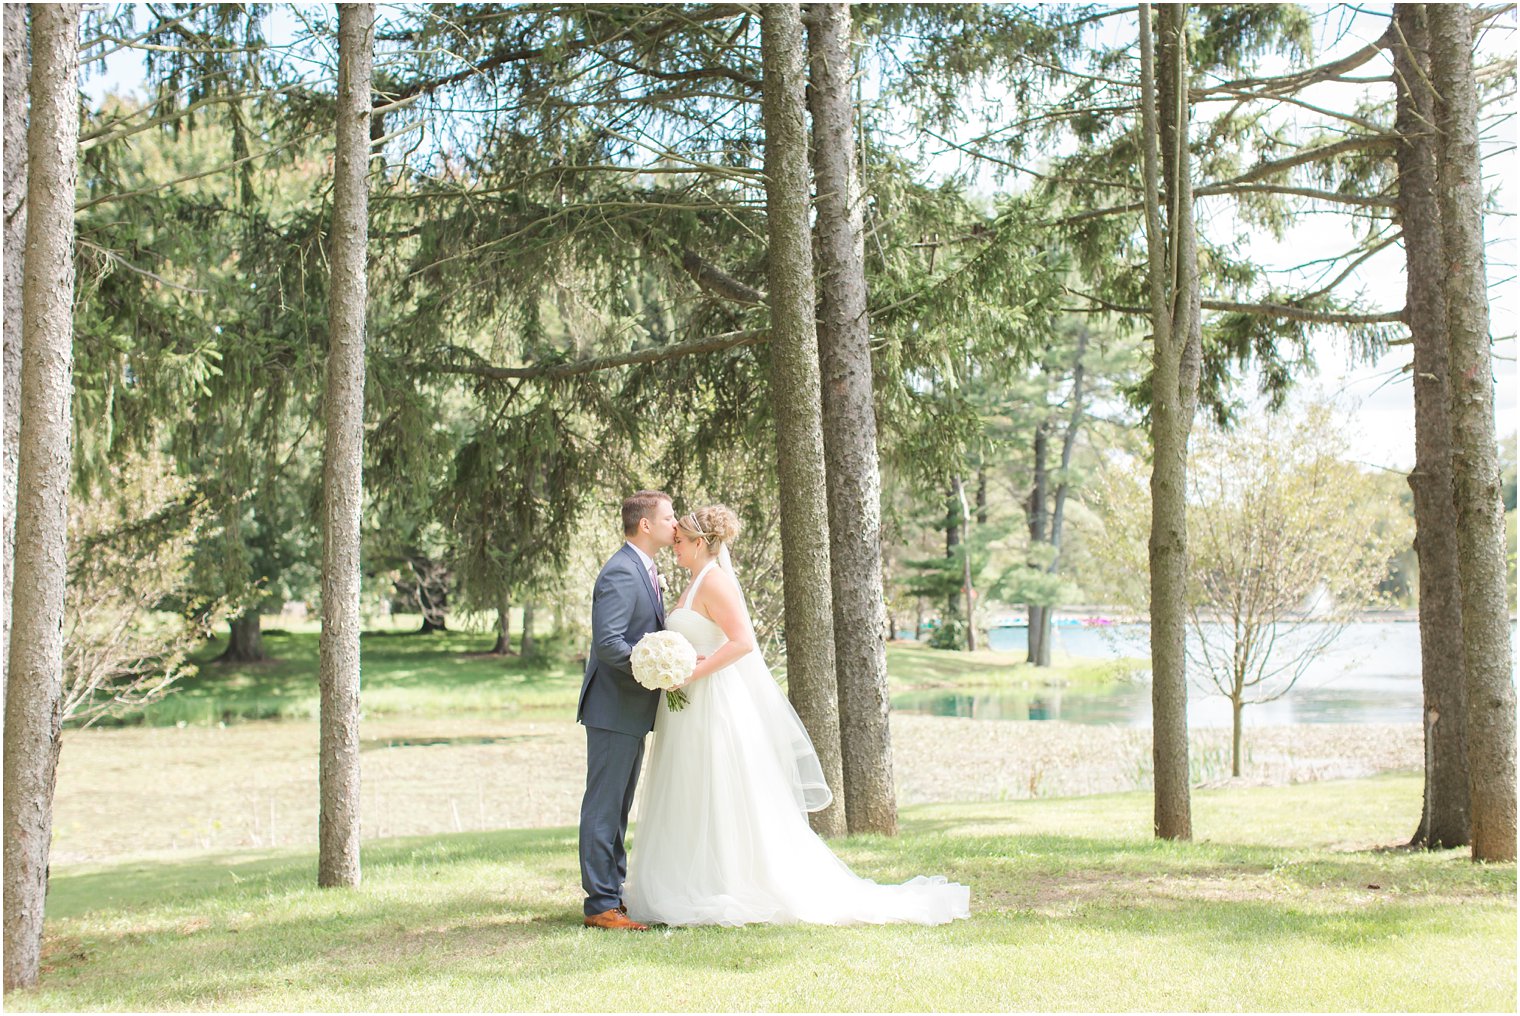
{"x":723,"y":579}
{"x":719,"y":585}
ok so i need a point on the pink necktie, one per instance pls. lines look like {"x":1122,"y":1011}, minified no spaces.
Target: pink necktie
{"x":654,"y":580}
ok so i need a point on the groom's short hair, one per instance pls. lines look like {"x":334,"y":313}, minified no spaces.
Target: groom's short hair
{"x":640,"y":506}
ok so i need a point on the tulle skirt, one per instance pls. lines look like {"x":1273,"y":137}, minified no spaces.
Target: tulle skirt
{"x":722,"y":835}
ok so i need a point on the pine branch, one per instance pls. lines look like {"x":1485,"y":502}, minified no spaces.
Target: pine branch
{"x":573,"y":368}
{"x":719,"y":283}
{"x":1277,"y":310}
{"x":1307,"y":155}
{"x":501,"y":58}
{"x":1304,"y":78}
{"x":106,"y":135}
{"x":1357,"y":200}
{"x":1266,"y":169}
{"x":106,"y":198}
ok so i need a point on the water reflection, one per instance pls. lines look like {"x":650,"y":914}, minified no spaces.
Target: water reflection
{"x":1369,"y":675}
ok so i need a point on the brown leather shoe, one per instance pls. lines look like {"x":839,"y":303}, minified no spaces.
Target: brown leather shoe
{"x":614,"y":920}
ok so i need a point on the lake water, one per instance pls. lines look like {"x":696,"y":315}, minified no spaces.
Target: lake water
{"x":1370,"y":674}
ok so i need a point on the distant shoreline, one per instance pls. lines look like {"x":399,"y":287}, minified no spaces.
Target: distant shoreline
{"x":1016,"y":618}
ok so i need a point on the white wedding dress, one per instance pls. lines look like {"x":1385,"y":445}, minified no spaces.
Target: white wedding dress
{"x":722,"y":835}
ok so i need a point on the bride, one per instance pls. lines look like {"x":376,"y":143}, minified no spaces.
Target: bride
{"x":722,"y":836}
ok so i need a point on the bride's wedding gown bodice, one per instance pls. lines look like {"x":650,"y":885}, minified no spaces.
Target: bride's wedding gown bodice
{"x":703,"y":633}
{"x":722,"y":835}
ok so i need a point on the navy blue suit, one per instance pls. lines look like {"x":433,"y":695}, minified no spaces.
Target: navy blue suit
{"x":617,"y":712}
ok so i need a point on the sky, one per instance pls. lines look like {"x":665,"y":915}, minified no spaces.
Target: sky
{"x":1377,"y":398}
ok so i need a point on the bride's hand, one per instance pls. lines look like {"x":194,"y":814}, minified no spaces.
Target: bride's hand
{"x":690,"y":676}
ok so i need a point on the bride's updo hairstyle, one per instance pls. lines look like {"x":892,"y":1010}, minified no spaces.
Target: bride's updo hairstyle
{"x":714,"y":525}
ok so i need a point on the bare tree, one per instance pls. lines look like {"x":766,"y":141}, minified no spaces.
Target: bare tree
{"x":1176,"y":356}
{"x":811,"y":682}
{"x":849,"y":433}
{"x":16,"y":67}
{"x":1278,"y":566}
{"x":1444,"y":820}
{"x":34,"y":699}
{"x":1475,"y":462}
{"x":342,"y":479}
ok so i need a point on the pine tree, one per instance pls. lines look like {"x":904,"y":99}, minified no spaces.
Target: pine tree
{"x":34,"y":698}
{"x":343,"y":449}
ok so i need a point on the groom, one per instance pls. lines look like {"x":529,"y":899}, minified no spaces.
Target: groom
{"x":616,"y":711}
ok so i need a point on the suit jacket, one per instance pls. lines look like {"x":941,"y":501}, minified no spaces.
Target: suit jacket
{"x":624,"y":608}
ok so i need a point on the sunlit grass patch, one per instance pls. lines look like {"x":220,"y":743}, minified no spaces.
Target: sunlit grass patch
{"x":1075,"y":906}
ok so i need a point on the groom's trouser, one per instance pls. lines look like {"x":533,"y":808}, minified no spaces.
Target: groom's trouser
{"x":612,"y":771}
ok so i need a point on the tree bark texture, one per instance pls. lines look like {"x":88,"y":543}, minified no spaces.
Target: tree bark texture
{"x":17,"y":64}
{"x":849,"y":434}
{"x":1444,"y":820}
{"x":1176,"y":357}
{"x":1475,"y":460}
{"x":795,"y":394}
{"x":527,"y":632}
{"x":342,"y":480}
{"x":34,"y":702}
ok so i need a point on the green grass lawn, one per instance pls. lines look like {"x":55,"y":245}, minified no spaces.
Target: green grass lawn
{"x":1289,"y":906}
{"x":449,"y":673}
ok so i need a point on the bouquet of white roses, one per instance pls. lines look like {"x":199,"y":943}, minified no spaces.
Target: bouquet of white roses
{"x":662,"y":660}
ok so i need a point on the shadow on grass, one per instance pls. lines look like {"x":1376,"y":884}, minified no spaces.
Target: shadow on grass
{"x":481,"y":905}
{"x":167,"y":883}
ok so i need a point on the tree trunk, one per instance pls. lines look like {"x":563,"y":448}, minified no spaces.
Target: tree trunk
{"x":1176,"y":356}
{"x":34,"y":703}
{"x":503,"y":646}
{"x":795,"y":395}
{"x":16,"y":67}
{"x":1444,"y":818}
{"x":1237,"y":707}
{"x":432,"y":593}
{"x":527,"y":632}
{"x":981,"y":496}
{"x":1047,"y":621}
{"x":1058,"y":511}
{"x":246,"y":640}
{"x":1035,"y":512}
{"x":966,"y":585}
{"x":343,"y":455}
{"x":1033,"y":632}
{"x":952,"y":540}
{"x":849,"y":435}
{"x":1475,"y":461}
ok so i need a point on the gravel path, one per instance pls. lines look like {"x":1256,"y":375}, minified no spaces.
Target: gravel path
{"x":154,"y":791}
